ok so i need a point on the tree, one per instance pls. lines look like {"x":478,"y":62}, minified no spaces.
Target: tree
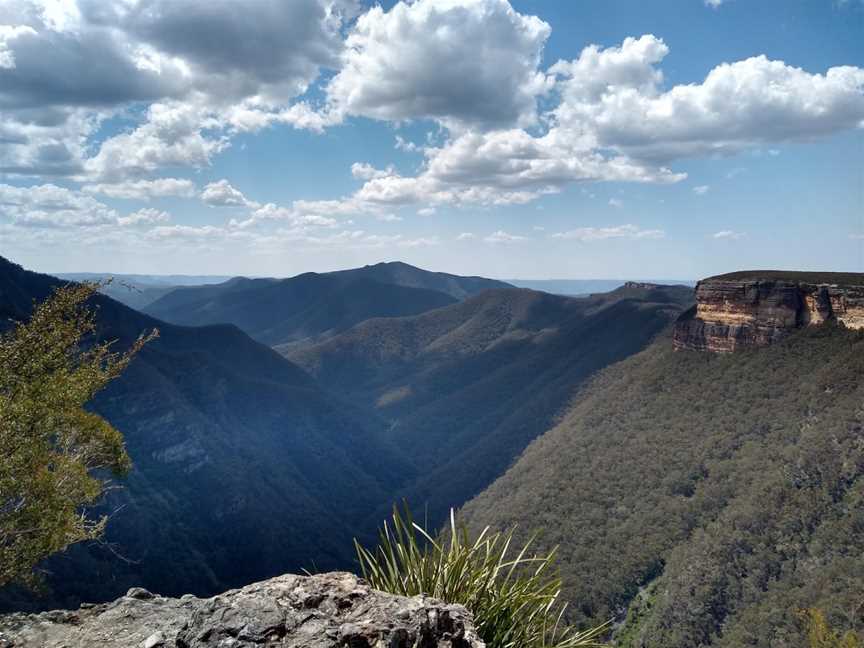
{"x":55,"y":456}
{"x":821,"y":635}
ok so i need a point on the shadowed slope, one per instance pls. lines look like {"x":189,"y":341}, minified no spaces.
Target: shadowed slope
{"x":243,"y":466}
{"x":465,"y":388}
{"x":284,"y":311}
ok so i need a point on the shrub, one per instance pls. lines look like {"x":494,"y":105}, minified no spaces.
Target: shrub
{"x":50,"y":445}
{"x":512,"y":595}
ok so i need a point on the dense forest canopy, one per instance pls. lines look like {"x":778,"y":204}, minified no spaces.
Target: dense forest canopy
{"x":712,"y":496}
{"x":840,"y":278}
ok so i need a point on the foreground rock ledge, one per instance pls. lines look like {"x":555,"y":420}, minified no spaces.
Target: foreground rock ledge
{"x":322,"y":611}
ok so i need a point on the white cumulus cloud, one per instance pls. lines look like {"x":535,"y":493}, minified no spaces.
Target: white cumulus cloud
{"x":222,"y":194}
{"x":146,"y":216}
{"x":729,"y":235}
{"x":49,"y":205}
{"x":467,"y":62}
{"x":628,"y":231}
{"x":144,"y":189}
{"x":500,"y":236}
{"x":364,"y":171}
{"x":616,"y":98}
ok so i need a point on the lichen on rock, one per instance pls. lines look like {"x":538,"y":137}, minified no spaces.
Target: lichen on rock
{"x":321,"y":611}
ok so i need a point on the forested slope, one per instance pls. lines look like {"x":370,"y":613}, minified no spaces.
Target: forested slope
{"x":284,"y":311}
{"x":244,"y":467}
{"x":465,"y":388}
{"x":713,"y":495}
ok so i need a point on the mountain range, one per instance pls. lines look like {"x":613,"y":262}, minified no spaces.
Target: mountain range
{"x":249,"y":463}
{"x":136,"y":290}
{"x":583,"y":287}
{"x":235,"y":450}
{"x":699,"y":492}
{"x":463,"y":389}
{"x":311,"y":305}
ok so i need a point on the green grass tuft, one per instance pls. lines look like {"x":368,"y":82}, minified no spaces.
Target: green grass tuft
{"x":512,"y":594}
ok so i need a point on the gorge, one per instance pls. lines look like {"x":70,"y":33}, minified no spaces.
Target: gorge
{"x":599,"y":423}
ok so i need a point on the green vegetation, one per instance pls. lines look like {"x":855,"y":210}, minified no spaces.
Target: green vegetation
{"x":727,"y":490}
{"x":242,"y":463}
{"x":510,"y":593}
{"x":820,"y":635}
{"x":50,"y":446}
{"x":283,"y":312}
{"x":840,"y":278}
{"x":465,"y":388}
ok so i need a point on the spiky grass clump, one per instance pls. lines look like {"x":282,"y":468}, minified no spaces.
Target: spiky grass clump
{"x":513,"y":598}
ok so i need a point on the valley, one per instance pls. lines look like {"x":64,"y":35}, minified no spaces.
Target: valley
{"x":431,"y":324}
{"x":240,"y":462}
{"x":429,"y":408}
{"x":577,"y":419}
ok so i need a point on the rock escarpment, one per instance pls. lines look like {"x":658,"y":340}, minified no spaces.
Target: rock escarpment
{"x":747,"y":309}
{"x":322,"y":611}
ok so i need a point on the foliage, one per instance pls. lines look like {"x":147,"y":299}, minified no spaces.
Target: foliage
{"x":202,"y":409}
{"x":513,"y":597}
{"x":733,"y":485}
{"x":842,"y":278}
{"x":465,"y":388}
{"x":820,"y":635}
{"x":52,"y":450}
{"x":285,"y":312}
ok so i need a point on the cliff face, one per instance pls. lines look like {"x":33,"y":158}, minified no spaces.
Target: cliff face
{"x":757,"y":309}
{"x":322,"y":611}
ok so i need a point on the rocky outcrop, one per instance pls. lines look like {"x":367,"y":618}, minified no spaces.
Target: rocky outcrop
{"x":756,"y":309}
{"x":321,"y":611}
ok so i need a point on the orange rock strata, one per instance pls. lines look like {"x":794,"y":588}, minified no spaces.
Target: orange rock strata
{"x":734,"y":313}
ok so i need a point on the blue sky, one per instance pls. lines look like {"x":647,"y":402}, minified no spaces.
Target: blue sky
{"x":531,"y":139}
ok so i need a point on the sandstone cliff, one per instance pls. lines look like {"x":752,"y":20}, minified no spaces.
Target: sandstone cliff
{"x":746,"y":309}
{"x":322,"y":611}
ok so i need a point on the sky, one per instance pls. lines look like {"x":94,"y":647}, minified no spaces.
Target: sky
{"x":525,"y":139}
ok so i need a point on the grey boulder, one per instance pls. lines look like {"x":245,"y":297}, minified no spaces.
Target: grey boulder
{"x":321,"y":611}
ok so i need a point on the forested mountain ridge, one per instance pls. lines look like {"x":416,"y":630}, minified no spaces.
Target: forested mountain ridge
{"x":712,"y":496}
{"x":136,"y":290}
{"x":287,"y":311}
{"x":313,"y":306}
{"x":403,"y":274}
{"x":245,"y":466}
{"x":241,"y":462}
{"x":466,"y":387}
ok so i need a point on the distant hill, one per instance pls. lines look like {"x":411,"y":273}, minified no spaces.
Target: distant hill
{"x":402,"y":274}
{"x":243,"y":466}
{"x":313,"y":306}
{"x":138,"y":291}
{"x":711,"y":496}
{"x":155,"y":280}
{"x":582,"y":287}
{"x":466,"y":387}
